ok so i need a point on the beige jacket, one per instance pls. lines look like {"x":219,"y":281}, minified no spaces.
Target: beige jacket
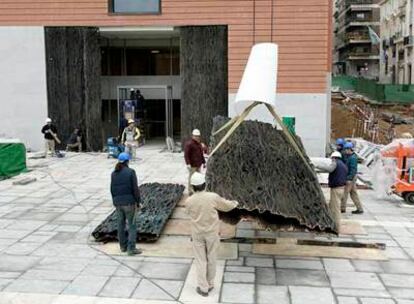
{"x":202,"y":208}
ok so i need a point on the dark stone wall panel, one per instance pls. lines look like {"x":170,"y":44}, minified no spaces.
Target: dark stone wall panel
{"x":158,"y":203}
{"x":73,"y":82}
{"x":259,"y":167}
{"x":204,"y":77}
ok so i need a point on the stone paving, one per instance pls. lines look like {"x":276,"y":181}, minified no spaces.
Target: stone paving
{"x":46,"y":254}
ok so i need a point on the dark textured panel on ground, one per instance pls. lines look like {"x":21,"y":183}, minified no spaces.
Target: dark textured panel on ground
{"x":204,"y":79}
{"x":258,"y":167}
{"x":158,"y":202}
{"x":73,"y":82}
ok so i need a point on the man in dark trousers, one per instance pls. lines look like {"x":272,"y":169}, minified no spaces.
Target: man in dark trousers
{"x":351,"y":180}
{"x":50,"y":132}
{"x":194,"y":158}
{"x":126,"y":199}
{"x":75,"y":140}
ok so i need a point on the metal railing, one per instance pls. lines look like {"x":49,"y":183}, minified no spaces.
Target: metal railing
{"x":351,"y":19}
{"x":358,"y":2}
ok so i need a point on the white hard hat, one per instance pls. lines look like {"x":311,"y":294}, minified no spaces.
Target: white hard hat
{"x":48,"y":120}
{"x":198,"y":179}
{"x":130,"y":121}
{"x":336,"y":154}
{"x":196,"y":132}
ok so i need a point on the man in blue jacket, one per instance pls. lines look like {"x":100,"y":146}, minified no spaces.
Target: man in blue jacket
{"x":336,"y":181}
{"x":351,"y":179}
{"x":126,"y":199}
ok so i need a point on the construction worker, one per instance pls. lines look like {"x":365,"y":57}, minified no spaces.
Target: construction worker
{"x":126,"y":199}
{"x":50,"y":133}
{"x":130,"y":138}
{"x":75,"y":140}
{"x":193,"y":155}
{"x":338,"y":172}
{"x":203,"y":208}
{"x":351,"y":162}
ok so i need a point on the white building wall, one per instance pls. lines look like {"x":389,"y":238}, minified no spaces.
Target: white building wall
{"x":23,"y":102}
{"x":312,"y":113}
{"x":396,"y":21}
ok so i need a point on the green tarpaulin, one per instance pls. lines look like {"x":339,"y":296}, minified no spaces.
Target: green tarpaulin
{"x":12,"y":159}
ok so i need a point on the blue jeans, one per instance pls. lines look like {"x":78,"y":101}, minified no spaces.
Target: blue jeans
{"x":127,"y":239}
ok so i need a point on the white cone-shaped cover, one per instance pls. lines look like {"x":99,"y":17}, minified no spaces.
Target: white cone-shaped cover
{"x":259,"y":78}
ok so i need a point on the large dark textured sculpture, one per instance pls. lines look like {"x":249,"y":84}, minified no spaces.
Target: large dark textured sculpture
{"x":258,"y":167}
{"x":204,"y":77}
{"x":158,"y":202}
{"x":73,"y":67}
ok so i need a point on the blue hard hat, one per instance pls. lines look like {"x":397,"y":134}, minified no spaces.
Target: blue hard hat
{"x":123,"y":157}
{"x":348,"y":145}
{"x":340,"y":141}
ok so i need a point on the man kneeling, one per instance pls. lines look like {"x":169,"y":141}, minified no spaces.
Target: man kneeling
{"x":203,"y":209}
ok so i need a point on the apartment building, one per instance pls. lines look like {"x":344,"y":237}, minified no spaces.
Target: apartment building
{"x":355,"y":53}
{"x":397,"y":42}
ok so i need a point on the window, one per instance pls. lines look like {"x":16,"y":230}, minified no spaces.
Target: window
{"x":135,"y":6}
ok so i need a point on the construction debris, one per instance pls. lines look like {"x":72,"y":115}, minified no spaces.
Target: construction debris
{"x":158,"y":202}
{"x":356,"y":116}
{"x":25,"y":181}
{"x":258,"y":167}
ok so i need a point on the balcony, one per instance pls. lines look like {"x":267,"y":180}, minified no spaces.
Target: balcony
{"x":409,"y":41}
{"x":357,"y":37}
{"x":403,"y":4}
{"x":398,"y":37}
{"x":362,"y":53}
{"x":402,"y":9}
{"x":358,"y":2}
{"x":354,"y":20}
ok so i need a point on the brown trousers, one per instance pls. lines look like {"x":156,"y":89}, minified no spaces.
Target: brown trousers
{"x":49,"y":146}
{"x":205,"y":249}
{"x":336,"y":195}
{"x":351,"y":189}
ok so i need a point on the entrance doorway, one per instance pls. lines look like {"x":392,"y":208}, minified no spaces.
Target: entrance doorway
{"x":141,"y":81}
{"x":154,"y":116}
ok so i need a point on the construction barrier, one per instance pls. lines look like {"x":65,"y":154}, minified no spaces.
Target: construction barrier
{"x":345,"y":83}
{"x":12,"y":159}
{"x":383,"y":93}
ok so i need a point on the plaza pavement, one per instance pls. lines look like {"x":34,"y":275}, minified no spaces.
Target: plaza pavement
{"x":47,"y":256}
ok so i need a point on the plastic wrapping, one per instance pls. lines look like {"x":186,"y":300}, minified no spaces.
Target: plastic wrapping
{"x":259,"y":77}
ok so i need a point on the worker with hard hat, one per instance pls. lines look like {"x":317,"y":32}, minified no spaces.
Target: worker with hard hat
{"x":340,"y":142}
{"x":50,"y":133}
{"x":338,"y":172}
{"x":193,"y":155}
{"x":203,"y":208}
{"x":126,"y":199}
{"x":130,"y":138}
{"x":351,"y":162}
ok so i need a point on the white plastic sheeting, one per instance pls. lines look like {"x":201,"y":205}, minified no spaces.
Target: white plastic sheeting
{"x":259,"y":77}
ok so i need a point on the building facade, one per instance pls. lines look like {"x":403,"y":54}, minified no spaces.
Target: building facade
{"x":149,"y":44}
{"x":397,"y":42}
{"x":356,"y":55}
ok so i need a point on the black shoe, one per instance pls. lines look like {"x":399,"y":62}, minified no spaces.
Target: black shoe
{"x":201,"y":293}
{"x":210,"y":289}
{"x":123,"y":249}
{"x":343,"y":211}
{"x":358,"y":212}
{"x":134,"y":251}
